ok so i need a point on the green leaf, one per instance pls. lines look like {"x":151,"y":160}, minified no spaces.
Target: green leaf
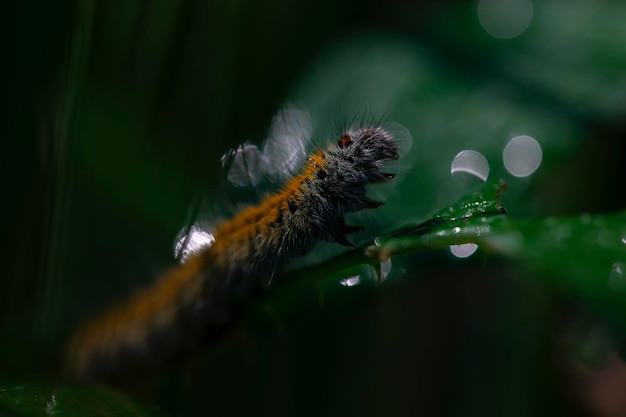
{"x":483,"y":202}
{"x":40,"y":398}
{"x":409,"y":238}
{"x":584,"y":254}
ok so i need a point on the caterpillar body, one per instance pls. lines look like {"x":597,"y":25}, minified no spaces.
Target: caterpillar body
{"x":205,"y":293}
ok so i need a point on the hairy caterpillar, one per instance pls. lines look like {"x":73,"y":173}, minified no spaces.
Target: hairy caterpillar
{"x":204,"y":294}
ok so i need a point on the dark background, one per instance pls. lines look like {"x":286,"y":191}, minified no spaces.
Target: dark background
{"x":114,"y":119}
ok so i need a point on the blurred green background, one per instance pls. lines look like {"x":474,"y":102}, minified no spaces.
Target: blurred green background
{"x":116,"y":115}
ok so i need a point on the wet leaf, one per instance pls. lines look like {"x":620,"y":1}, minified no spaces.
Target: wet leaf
{"x":585,"y":254}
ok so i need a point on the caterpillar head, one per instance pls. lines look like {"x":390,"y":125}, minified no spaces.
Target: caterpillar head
{"x":362,"y":151}
{"x":343,"y":172}
{"x":379,"y":141}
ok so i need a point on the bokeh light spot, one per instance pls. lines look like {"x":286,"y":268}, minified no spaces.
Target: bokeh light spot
{"x":617,"y":281}
{"x":522,"y":156}
{"x":470,"y":162}
{"x":505,"y":19}
{"x":188,"y":245}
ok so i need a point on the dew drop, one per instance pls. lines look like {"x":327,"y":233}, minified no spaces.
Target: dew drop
{"x":364,"y":272}
{"x":464,"y":250}
{"x":351,"y":281}
{"x":385,"y":268}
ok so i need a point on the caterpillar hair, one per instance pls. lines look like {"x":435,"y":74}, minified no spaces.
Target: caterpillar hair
{"x":205,"y":293}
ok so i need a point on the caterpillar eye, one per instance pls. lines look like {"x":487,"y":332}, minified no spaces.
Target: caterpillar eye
{"x":345,"y":141}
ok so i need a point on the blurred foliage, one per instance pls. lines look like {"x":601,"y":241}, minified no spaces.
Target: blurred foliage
{"x":38,"y":398}
{"x":115,"y":116}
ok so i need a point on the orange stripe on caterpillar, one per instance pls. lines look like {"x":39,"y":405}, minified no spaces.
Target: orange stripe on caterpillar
{"x":127,"y":325}
{"x":205,"y":293}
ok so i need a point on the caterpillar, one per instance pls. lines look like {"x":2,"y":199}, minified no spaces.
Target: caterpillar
{"x":205,"y":293}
